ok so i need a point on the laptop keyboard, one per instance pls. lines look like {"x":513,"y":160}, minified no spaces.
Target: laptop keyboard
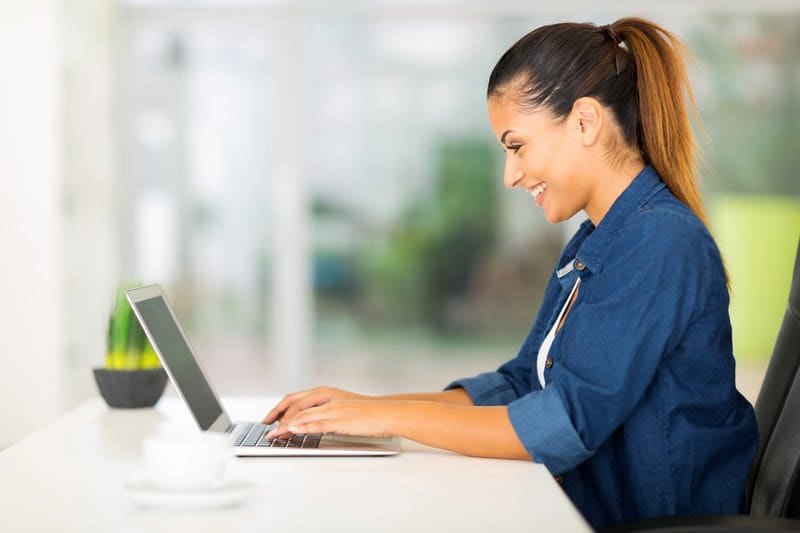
{"x":254,"y":434}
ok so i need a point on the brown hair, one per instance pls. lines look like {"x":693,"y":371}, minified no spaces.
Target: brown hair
{"x":633,"y":66}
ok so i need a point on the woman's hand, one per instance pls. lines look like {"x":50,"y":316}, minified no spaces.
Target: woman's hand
{"x":293,"y":403}
{"x":371,"y":418}
{"x":478,"y":431}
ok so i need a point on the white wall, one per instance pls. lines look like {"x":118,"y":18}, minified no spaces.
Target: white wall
{"x":31,"y":327}
{"x":90,"y":207}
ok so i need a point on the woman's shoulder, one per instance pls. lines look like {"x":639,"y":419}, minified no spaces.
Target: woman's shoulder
{"x":665,"y":229}
{"x":664,"y":218}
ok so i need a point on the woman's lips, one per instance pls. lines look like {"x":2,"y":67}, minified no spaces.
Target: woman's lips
{"x":538,"y":191}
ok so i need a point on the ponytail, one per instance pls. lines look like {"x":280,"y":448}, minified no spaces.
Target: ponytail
{"x":665,"y":133}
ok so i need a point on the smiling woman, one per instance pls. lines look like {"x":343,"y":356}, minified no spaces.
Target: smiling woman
{"x":624,"y":387}
{"x":547,"y":156}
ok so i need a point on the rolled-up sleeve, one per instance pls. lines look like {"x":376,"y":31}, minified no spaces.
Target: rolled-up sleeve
{"x":539,"y":418}
{"x":489,"y":388}
{"x":546,"y":430}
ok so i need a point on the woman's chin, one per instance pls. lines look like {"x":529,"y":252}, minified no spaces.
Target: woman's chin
{"x":551,"y":216}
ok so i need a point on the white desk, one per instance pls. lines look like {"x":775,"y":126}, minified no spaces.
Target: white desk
{"x":70,"y":476}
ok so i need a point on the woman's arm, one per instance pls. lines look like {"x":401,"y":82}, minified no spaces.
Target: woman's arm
{"x":295,"y":402}
{"x":470,"y":430}
{"x":455,"y":396}
{"x":475,"y":431}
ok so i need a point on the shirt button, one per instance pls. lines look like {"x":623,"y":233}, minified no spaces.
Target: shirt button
{"x":559,"y":479}
{"x":579,"y":265}
{"x":548,"y":363}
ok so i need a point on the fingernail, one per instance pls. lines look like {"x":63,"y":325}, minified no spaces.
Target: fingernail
{"x":293,"y":429}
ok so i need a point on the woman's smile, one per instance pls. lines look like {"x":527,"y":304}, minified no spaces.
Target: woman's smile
{"x":538,"y":191}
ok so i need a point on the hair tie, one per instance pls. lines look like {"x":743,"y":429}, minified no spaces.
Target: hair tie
{"x":609,"y":29}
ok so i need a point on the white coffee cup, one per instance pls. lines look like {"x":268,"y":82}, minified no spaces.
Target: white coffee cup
{"x":187,"y":460}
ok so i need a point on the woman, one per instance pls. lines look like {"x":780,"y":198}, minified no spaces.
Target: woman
{"x":624,"y":387}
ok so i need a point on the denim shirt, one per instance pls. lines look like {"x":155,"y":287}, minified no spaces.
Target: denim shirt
{"x":639,"y":415}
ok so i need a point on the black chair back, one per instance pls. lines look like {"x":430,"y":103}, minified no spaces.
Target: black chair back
{"x":773,"y":488}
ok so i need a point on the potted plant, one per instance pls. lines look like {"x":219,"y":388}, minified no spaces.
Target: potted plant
{"x":132,"y":376}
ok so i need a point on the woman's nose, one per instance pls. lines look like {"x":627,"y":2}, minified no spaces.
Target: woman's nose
{"x":512,"y":176}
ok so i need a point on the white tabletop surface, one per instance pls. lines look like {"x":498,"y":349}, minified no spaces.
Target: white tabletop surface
{"x":71,"y":476}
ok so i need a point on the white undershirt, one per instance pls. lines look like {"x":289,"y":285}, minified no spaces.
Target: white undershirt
{"x":544,"y":349}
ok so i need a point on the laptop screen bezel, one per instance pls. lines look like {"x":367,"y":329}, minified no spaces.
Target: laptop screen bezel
{"x":223,"y":422}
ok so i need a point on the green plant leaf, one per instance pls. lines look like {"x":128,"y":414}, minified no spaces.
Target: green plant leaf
{"x":127,"y":347}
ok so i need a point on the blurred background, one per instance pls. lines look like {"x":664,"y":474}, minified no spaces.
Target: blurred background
{"x":316,"y":186}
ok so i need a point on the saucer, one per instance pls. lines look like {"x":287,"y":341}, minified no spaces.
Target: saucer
{"x":227,"y":494}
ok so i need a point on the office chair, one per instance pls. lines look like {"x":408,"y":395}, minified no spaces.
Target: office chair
{"x":772,"y":495}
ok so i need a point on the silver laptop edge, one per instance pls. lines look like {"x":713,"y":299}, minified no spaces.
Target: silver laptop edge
{"x":331,"y":444}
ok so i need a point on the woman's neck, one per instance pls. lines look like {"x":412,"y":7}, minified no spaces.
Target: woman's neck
{"x":609,"y":185}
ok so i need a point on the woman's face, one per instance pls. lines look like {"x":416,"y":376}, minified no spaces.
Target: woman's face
{"x":543,"y":156}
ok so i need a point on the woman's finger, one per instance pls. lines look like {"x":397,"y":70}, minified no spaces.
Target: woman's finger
{"x":283,"y":405}
{"x":320,"y":426}
{"x":315,"y":399}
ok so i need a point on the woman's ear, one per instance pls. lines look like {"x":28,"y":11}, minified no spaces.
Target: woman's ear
{"x":589,"y":115}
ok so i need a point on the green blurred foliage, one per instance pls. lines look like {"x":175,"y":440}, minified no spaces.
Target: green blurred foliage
{"x":752,"y":117}
{"x":420,"y":272}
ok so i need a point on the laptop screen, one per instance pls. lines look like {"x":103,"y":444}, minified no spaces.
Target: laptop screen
{"x":178,"y":358}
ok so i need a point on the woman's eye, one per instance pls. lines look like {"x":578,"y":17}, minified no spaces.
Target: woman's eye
{"x":515,"y":147}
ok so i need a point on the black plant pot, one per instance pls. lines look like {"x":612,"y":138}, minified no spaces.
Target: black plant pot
{"x":131,"y":388}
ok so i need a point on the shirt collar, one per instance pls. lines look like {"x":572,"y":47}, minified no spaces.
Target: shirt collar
{"x":591,"y":252}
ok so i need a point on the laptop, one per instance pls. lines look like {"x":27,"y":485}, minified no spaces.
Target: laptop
{"x":247,"y":438}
